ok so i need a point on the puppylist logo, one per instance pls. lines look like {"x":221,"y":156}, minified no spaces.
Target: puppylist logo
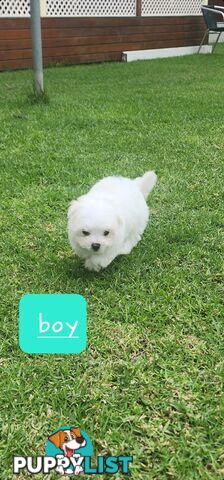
{"x":69,"y":451}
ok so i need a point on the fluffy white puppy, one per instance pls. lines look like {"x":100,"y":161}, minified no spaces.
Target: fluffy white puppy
{"x":109,"y":220}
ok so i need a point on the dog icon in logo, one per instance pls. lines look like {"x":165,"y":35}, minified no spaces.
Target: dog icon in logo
{"x":68,"y":441}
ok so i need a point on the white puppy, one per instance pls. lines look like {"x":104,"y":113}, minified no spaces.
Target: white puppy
{"x":110,"y":219}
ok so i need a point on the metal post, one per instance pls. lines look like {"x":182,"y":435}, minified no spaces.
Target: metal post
{"x":37,"y":47}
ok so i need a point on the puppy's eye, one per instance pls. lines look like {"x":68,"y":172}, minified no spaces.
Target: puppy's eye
{"x":106,"y":233}
{"x":72,"y":436}
{"x":85,"y":233}
{"x":66,"y":439}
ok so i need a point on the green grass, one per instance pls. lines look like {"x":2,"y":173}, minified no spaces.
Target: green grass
{"x":151,"y":381}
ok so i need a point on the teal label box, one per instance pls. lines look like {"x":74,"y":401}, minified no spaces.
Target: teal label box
{"x":52,"y":323}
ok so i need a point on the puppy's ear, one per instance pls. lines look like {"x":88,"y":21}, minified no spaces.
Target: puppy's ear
{"x":76,"y":431}
{"x":73,"y":207}
{"x":55,"y":438}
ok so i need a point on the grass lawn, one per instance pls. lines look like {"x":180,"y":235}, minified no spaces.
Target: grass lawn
{"x":150,"y":383}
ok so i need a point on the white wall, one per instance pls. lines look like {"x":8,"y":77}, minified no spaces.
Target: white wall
{"x":213,"y":36}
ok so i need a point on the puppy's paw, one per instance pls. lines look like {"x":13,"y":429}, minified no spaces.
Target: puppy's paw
{"x":60,"y":470}
{"x":78,"y":470}
{"x":69,"y":471}
{"x":92,"y":266}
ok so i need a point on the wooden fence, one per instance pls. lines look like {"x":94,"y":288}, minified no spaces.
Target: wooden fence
{"x":74,"y":40}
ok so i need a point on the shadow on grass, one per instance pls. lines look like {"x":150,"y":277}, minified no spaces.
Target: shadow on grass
{"x":34,"y":99}
{"x":74,"y":269}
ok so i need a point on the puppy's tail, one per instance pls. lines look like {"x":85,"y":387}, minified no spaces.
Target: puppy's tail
{"x":146,"y":183}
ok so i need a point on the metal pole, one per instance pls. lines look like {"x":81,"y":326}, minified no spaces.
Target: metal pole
{"x":37,"y":47}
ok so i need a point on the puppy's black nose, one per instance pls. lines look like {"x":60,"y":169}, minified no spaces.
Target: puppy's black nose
{"x":95,"y":246}
{"x":80,"y":440}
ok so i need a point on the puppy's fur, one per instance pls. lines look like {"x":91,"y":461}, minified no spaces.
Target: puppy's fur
{"x":109,"y":220}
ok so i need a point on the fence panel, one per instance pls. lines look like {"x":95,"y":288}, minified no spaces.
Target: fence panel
{"x":103,"y":8}
{"x":171,"y":7}
{"x":91,"y":8}
{"x":14,"y":8}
